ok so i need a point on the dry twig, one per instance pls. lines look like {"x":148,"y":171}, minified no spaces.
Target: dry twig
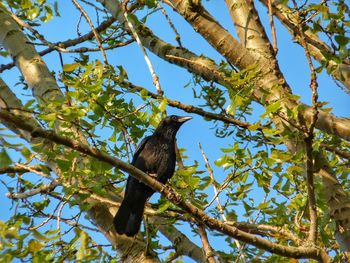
{"x":96,"y":34}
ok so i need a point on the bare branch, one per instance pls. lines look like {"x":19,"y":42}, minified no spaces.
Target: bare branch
{"x":148,"y":61}
{"x":182,"y":244}
{"x":208,"y":250}
{"x":23,"y":169}
{"x":40,"y":190}
{"x":216,"y":193}
{"x":340,"y":153}
{"x":177,"y":35}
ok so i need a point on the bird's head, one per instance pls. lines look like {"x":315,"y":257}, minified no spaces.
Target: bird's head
{"x":171,"y":124}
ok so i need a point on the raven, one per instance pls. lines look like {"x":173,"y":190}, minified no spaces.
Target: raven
{"x":156,"y":156}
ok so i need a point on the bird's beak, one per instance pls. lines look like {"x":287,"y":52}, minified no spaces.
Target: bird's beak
{"x":184,"y":119}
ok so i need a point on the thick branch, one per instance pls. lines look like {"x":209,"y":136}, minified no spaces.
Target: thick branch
{"x":249,"y":28}
{"x":182,"y":244}
{"x":31,"y":65}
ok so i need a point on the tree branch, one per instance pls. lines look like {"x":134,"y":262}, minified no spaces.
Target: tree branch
{"x":249,"y":27}
{"x":182,"y":244}
{"x":309,"y":138}
{"x":208,"y":250}
{"x":192,"y":109}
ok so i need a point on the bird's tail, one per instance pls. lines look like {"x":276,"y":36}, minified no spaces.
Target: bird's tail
{"x":129,"y":216}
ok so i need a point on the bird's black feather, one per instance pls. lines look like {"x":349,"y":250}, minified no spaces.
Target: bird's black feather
{"x":156,"y":156}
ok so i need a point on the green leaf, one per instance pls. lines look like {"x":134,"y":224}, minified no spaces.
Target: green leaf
{"x":231,"y":109}
{"x":26,"y":153}
{"x":294,"y":168}
{"x":151,"y":3}
{"x":163,"y":104}
{"x":342,"y":40}
{"x":70,"y":67}
{"x":272,"y":108}
{"x":33,"y":13}
{"x":144,"y":94}
{"x":254,"y":127}
{"x":11,"y":232}
{"x":39,"y":236}
{"x":49,"y":116}
{"x":82,"y":252}
{"x":133,"y":19}
{"x":263,"y":205}
{"x":163,"y":207}
{"x":64,"y":164}
{"x":48,"y":15}
{"x":28,"y":104}
{"x":5,"y":159}
{"x":34,"y":246}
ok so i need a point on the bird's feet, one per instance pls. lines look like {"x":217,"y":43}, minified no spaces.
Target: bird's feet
{"x":153,"y":176}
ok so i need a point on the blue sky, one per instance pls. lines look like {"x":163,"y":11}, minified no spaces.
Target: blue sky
{"x":291,"y":59}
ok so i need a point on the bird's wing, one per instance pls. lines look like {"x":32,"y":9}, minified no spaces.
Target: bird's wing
{"x":139,"y":149}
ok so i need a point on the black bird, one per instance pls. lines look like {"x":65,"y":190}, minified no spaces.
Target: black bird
{"x":155,"y":156}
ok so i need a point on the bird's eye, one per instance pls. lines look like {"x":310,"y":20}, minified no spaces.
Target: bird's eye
{"x":173,"y":118}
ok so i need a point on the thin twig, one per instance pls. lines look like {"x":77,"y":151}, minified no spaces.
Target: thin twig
{"x":273,"y":29}
{"x":210,"y":171}
{"x":86,"y":49}
{"x":228,"y":180}
{"x":31,"y":29}
{"x":94,"y":6}
{"x":177,"y":35}
{"x":221,"y":210}
{"x":22,"y":169}
{"x":148,"y":61}
{"x":49,"y":217}
{"x":60,"y":212}
{"x":309,"y":137}
{"x":68,"y":43}
{"x":96,"y":34}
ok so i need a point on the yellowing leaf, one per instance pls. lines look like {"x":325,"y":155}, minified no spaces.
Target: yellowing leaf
{"x":163,"y":104}
{"x":70,"y":67}
{"x":34,"y":246}
{"x":254,"y":126}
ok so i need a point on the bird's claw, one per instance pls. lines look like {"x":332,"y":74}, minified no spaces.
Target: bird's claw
{"x":153,"y":176}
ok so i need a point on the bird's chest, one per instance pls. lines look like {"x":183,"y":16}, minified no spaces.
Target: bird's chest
{"x":161,"y":161}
